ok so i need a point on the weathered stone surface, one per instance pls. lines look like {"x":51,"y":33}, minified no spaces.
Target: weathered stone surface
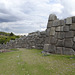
{"x":47,"y":40}
{"x":59,"y":28}
{"x":66,"y":28}
{"x":74,"y":38}
{"x":52,"y":17}
{"x":68,"y":42}
{"x":73,"y":47}
{"x":69,"y":34}
{"x":61,"y":22}
{"x":50,"y":23}
{"x":46,"y":47}
{"x":72,"y":27}
{"x":52,"y":49}
{"x":68,"y":51}
{"x":73,"y":19}
{"x":53,"y":40}
{"x":55,"y":23}
{"x":68,"y":21}
{"x":48,"y":32}
{"x":60,"y":35}
{"x":52,"y":31}
{"x":60,"y":43}
{"x":43,"y":33}
{"x":59,"y":50}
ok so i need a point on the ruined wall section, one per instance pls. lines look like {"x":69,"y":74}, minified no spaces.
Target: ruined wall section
{"x":60,"y":35}
{"x":33,"y":40}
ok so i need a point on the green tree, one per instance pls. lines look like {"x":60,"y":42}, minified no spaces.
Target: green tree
{"x":11,"y":34}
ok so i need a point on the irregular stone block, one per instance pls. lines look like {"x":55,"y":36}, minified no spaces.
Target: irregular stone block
{"x":48,"y":32}
{"x":68,"y":21}
{"x":61,"y":22}
{"x":56,"y":34}
{"x":68,"y":51}
{"x":55,"y":23}
{"x":74,"y":38}
{"x":59,"y":28}
{"x":73,"y":19}
{"x":46,"y":47}
{"x":47,"y":40}
{"x":72,"y":27}
{"x":69,"y":34}
{"x":68,"y":42}
{"x":52,"y":49}
{"x":59,"y":50}
{"x":50,"y":23}
{"x":60,"y":43}
{"x":52,"y":32}
{"x":66,"y":28}
{"x":52,"y":17}
{"x":52,"y":40}
{"x":73,"y":47}
{"x":43,"y":32}
{"x":60,"y":35}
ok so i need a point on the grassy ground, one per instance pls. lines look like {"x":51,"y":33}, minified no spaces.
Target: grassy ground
{"x":32,"y":62}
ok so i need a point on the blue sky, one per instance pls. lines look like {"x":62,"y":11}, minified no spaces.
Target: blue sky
{"x":25,"y":16}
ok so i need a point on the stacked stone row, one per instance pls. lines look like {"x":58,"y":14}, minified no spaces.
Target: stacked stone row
{"x":33,"y":40}
{"x":60,"y":35}
{"x":17,"y":43}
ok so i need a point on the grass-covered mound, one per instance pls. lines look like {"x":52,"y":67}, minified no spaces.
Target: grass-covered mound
{"x":6,"y":37}
{"x":32,"y":62}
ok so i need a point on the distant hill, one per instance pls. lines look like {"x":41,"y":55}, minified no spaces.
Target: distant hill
{"x":6,"y":37}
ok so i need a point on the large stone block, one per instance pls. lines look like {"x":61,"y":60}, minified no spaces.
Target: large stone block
{"x":47,"y":40}
{"x":46,"y":47}
{"x":73,"y":47}
{"x":52,"y":31}
{"x":68,"y":21}
{"x":52,"y":49}
{"x":73,"y":19}
{"x":68,"y":42}
{"x":43,"y":33}
{"x":68,"y":51}
{"x":61,"y":22}
{"x":48,"y":32}
{"x":59,"y":50}
{"x":66,"y":28}
{"x":72,"y":27}
{"x":60,"y":43}
{"x":50,"y":23}
{"x":69,"y":34}
{"x":55,"y":23}
{"x":59,"y":28}
{"x":52,"y":17}
{"x":53,"y":40}
{"x":74,"y":38}
{"x":60,"y":35}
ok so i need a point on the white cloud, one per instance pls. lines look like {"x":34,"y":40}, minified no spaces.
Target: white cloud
{"x":24,"y":16}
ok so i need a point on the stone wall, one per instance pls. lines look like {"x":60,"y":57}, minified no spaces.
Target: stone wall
{"x":33,"y":40}
{"x":60,"y":35}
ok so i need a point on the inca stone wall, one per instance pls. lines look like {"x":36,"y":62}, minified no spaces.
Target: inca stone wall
{"x":59,"y":37}
{"x":33,"y":40}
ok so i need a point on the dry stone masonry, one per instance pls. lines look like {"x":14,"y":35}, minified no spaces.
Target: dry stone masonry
{"x":60,"y":35}
{"x":58,"y":38}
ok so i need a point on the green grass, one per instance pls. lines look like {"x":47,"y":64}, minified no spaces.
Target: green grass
{"x":6,"y":37}
{"x":32,"y":62}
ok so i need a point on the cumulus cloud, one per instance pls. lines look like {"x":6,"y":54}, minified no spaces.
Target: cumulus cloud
{"x":24,"y":16}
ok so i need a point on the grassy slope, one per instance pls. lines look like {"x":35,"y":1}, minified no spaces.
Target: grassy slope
{"x":32,"y":62}
{"x":6,"y":37}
